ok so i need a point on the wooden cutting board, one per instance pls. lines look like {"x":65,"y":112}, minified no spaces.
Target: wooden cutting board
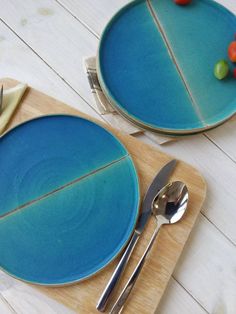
{"x":157,"y":271}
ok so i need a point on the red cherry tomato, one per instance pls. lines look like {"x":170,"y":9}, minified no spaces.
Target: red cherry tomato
{"x":182,"y":2}
{"x":232,"y":51}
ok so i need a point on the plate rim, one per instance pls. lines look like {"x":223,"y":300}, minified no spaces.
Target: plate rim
{"x":138,"y":191}
{"x":124,"y":113}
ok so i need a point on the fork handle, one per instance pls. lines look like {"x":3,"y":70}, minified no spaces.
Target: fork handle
{"x":118,"y":306}
{"x":103,"y":301}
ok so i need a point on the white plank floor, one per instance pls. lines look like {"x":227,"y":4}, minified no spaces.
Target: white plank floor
{"x":43,"y":43}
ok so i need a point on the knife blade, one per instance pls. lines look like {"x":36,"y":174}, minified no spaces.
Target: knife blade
{"x":157,"y":184}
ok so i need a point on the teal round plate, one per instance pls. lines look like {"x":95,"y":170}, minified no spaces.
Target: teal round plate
{"x":156,"y":61}
{"x":69,"y":197}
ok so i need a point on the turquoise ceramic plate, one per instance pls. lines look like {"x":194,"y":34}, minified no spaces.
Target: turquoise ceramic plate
{"x":69,"y":199}
{"x":156,"y":62}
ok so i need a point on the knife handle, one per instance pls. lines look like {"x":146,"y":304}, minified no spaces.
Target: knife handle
{"x":103,"y":301}
{"x":119,"y":304}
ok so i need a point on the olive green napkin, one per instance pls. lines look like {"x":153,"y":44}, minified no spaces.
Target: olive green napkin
{"x":11,"y":99}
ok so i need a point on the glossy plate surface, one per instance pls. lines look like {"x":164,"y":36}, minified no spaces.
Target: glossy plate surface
{"x":156,"y":62}
{"x":69,"y":198}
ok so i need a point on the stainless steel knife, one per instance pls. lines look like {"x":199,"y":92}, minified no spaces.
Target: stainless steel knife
{"x":157,"y":184}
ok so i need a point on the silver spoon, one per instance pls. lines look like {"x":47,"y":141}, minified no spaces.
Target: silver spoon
{"x":168,"y":207}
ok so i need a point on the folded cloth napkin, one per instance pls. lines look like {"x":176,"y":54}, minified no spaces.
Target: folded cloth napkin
{"x":108,"y":112}
{"x":11,"y":99}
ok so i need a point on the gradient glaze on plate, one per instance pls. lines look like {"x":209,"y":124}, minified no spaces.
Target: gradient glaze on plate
{"x":156,"y":63}
{"x":69,"y":199}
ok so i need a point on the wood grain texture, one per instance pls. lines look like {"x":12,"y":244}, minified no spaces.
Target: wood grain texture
{"x":20,"y":62}
{"x":175,"y":301}
{"x":24,"y":299}
{"x":93,"y":14}
{"x":160,"y":265}
{"x":62,"y":45}
{"x":5,"y":307}
{"x":212,"y":261}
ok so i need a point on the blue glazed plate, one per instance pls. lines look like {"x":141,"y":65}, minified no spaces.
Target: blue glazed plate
{"x":156,"y":61}
{"x":69,"y":197}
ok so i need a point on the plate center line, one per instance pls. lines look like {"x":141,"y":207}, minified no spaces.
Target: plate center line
{"x":73,"y":182}
{"x":172,"y":55}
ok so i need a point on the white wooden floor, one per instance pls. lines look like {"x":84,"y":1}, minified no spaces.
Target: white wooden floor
{"x":43,"y":42}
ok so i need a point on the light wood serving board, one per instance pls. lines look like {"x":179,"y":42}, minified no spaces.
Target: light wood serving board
{"x":156,"y":273}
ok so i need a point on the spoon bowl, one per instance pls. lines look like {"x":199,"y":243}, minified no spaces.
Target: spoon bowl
{"x":171,"y":202}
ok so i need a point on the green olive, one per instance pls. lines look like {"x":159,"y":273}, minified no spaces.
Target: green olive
{"x":221,"y":69}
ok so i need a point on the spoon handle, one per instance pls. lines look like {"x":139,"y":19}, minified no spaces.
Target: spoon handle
{"x":102,"y":303}
{"x":118,"y":306}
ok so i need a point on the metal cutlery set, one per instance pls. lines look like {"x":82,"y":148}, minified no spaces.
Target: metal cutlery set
{"x":167,"y":203}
